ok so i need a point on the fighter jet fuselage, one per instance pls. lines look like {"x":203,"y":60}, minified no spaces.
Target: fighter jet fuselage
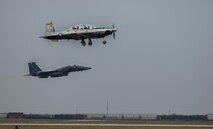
{"x":64,"y":71}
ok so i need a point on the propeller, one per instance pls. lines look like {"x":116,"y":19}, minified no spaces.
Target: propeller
{"x":114,"y":31}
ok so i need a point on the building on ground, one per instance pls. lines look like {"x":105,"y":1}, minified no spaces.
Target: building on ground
{"x":15,"y":115}
{"x":209,"y":116}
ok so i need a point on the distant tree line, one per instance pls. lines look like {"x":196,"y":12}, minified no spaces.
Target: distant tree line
{"x":69,"y":116}
{"x":17,"y":115}
{"x":181,"y":117}
{"x":56,"y":116}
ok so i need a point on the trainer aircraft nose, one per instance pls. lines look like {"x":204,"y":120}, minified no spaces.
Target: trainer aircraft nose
{"x":114,"y":29}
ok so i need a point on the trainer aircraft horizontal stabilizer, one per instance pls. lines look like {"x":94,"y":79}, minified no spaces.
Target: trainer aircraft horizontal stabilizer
{"x":64,"y":71}
{"x":78,"y":32}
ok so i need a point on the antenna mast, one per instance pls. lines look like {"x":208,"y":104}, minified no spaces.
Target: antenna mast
{"x":107,"y":107}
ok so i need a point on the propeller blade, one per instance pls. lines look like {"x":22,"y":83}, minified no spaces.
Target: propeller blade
{"x":114,"y":35}
{"x":113,"y":26}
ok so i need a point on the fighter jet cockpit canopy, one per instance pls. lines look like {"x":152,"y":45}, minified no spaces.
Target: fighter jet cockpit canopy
{"x":83,"y":26}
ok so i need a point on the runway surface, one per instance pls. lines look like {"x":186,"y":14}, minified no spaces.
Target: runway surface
{"x":84,"y":124}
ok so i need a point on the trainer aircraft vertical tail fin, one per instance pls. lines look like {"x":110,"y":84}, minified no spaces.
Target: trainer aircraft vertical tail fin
{"x":49,"y":28}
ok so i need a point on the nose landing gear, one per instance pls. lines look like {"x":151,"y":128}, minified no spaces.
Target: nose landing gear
{"x":104,"y":42}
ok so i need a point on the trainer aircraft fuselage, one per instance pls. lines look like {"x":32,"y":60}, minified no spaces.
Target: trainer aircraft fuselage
{"x":78,"y":32}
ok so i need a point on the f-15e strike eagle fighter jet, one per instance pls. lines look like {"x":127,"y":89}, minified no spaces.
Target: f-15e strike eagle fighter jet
{"x":78,"y":32}
{"x":64,"y":71}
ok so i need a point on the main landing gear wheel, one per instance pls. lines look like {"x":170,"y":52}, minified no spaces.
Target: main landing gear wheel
{"x":104,"y":42}
{"x":90,"y":42}
{"x":83,"y":42}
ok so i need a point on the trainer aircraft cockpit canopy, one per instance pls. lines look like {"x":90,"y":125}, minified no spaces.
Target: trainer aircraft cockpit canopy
{"x":83,"y":26}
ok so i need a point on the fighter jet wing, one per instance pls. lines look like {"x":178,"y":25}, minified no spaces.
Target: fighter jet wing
{"x":46,"y":72}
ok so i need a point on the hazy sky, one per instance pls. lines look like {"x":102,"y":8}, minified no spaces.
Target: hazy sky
{"x":161,"y":59}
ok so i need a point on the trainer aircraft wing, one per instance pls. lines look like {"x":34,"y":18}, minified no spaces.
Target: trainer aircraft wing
{"x":83,"y":35}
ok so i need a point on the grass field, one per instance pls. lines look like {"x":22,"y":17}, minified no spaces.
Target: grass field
{"x":105,"y":121}
{"x":96,"y":127}
{"x":28,"y":121}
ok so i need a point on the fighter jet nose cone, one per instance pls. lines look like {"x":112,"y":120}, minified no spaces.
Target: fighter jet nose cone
{"x":87,"y":68}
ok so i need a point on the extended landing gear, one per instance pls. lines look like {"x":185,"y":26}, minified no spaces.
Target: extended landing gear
{"x":90,"y":42}
{"x":83,"y":42}
{"x":104,"y":42}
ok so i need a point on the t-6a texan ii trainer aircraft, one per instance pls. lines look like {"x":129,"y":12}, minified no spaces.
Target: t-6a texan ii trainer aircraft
{"x":64,"y":71}
{"x":78,"y":32}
